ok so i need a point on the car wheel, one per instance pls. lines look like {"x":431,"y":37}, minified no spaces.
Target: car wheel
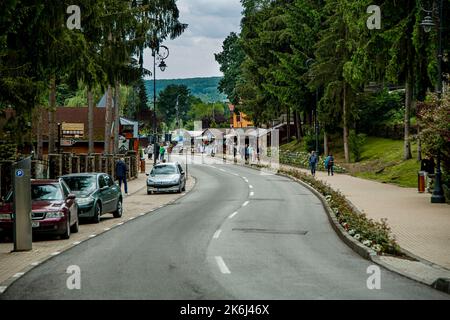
{"x":119,"y":210}
{"x":97,"y":213}
{"x":75,"y":228}
{"x":66,"y":234}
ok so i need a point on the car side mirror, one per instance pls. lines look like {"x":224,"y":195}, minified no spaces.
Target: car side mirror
{"x":147,"y":174}
{"x":71,"y":196}
{"x":182,"y":173}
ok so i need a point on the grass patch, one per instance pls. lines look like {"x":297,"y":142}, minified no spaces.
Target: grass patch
{"x":381,"y":160}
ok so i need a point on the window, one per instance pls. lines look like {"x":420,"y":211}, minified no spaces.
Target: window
{"x":109,"y":181}
{"x":47,"y":192}
{"x":163,"y":169}
{"x":101,"y":182}
{"x":81,"y":183}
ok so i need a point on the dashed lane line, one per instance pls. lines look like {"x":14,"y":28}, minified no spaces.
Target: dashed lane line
{"x":232,"y":215}
{"x":222,"y":266}
{"x":217,"y":234}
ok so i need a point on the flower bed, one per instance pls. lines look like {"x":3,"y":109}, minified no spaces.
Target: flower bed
{"x":373,"y":234}
{"x":300,"y":159}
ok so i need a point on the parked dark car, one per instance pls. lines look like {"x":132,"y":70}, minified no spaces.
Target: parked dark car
{"x":166,"y":177}
{"x":97,"y":194}
{"x":54,"y":209}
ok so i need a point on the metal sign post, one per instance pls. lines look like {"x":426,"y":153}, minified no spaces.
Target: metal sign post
{"x":22,"y":205}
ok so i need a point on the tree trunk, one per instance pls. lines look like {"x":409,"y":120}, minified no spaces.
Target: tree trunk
{"x":325,"y":143}
{"x":345,"y":125}
{"x":288,"y":121}
{"x":39,"y":142}
{"x":297,"y":136}
{"x":51,"y":116}
{"x":300,"y":126}
{"x":90,"y":99}
{"x":408,"y":102}
{"x":419,"y":145}
{"x":116,"y":116}
{"x":108,"y":118}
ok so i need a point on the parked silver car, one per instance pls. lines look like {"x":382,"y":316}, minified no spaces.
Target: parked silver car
{"x":166,"y":177}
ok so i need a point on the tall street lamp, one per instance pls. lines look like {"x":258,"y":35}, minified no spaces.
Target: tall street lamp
{"x":316,"y":123}
{"x":159,"y":54}
{"x":428,"y":24}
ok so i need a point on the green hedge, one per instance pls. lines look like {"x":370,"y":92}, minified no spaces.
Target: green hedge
{"x":300,"y":159}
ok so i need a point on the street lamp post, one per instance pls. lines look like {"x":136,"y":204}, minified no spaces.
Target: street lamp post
{"x":427,"y":24}
{"x":316,"y":123}
{"x":162,"y":65}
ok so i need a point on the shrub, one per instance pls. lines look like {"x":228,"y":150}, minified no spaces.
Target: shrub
{"x":300,"y":159}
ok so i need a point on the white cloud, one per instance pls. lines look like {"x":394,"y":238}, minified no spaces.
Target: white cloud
{"x":192,"y":54}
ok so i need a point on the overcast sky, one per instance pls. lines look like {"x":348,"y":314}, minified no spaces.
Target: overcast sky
{"x":192,"y":54}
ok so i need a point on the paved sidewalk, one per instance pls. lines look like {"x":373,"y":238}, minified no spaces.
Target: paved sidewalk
{"x":137,"y":203}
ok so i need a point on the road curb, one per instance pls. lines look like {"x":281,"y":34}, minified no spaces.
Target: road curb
{"x":4,"y":285}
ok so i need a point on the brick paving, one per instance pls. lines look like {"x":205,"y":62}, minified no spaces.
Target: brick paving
{"x":136,"y":203}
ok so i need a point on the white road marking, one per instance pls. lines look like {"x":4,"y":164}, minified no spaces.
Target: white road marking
{"x":232,"y":215}
{"x":250,"y":186}
{"x":3,"y":288}
{"x":18,"y":274}
{"x":222,"y":266}
{"x":252,"y":194}
{"x":55,"y":253}
{"x":245,"y":203}
{"x":217,"y":234}
{"x":76,"y":243}
{"x":222,"y":170}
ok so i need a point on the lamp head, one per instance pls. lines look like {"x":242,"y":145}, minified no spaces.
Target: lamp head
{"x":427,"y":23}
{"x":162,"y":66}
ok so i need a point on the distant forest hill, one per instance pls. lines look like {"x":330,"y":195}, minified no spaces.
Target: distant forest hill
{"x":203,"y":88}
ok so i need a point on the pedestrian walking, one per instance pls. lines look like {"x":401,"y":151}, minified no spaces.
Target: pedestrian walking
{"x":121,"y":173}
{"x":329,"y":164}
{"x":150,"y":151}
{"x":162,"y":151}
{"x":246,"y":153}
{"x":313,"y":159}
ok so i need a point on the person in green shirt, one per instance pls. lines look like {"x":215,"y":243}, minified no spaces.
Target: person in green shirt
{"x":162,"y":151}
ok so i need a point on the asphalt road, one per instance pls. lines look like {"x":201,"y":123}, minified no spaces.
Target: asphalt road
{"x":237,"y":235}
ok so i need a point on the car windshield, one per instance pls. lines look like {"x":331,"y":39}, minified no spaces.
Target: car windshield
{"x":161,"y":170}
{"x":45,"y":192}
{"x":81,"y":183}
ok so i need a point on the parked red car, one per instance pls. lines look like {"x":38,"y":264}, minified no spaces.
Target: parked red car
{"x":54,"y":209}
